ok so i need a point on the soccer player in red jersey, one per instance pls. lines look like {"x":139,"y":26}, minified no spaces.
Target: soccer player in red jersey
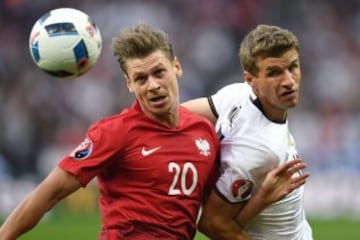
{"x":153,"y":161}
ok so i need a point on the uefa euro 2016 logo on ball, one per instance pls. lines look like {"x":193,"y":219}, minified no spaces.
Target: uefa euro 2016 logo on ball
{"x":65,"y":43}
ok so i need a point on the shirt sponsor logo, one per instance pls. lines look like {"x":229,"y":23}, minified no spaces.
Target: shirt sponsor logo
{"x":83,"y":151}
{"x":145,"y":152}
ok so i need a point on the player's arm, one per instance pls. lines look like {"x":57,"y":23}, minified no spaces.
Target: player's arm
{"x":57,"y":185}
{"x":223,"y":220}
{"x":202,"y":107}
{"x":218,"y":219}
{"x":277,"y":184}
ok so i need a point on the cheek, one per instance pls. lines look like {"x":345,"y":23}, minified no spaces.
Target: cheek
{"x":297,"y":76}
{"x":172,"y":85}
{"x":268,"y":90}
{"x":262,"y":88}
{"x":136,"y":90}
{"x":255,"y":86}
{"x":175,"y":88}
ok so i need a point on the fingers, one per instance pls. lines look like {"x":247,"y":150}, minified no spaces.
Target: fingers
{"x":298,"y":181}
{"x":290,"y":167}
{"x":296,"y":168}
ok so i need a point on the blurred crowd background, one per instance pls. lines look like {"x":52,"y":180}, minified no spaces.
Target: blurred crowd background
{"x":43,"y":118}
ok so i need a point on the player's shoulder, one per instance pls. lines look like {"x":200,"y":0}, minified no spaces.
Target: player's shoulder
{"x":191,"y":117}
{"x":230,"y":97}
{"x":232,"y":93}
{"x":114,"y":122}
{"x":198,"y":124}
{"x":234,"y":90}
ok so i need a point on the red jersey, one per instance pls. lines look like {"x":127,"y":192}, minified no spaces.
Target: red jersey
{"x":151,"y":177}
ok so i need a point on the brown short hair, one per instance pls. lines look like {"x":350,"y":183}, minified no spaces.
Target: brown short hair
{"x":265,"y":41}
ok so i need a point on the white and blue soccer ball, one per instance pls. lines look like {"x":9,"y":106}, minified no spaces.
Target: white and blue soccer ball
{"x":65,"y":43}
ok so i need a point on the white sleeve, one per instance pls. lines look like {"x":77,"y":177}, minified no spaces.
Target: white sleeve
{"x":243,"y":169}
{"x":234,"y":184}
{"x":227,"y":96}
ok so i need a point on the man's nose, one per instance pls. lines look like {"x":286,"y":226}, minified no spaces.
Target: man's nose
{"x":153,"y":83}
{"x":289,"y":79}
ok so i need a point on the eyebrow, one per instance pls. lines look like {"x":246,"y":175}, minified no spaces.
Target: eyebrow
{"x":297,"y":60}
{"x":140,"y":73}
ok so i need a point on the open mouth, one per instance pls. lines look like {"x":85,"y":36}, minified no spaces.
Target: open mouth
{"x":288,"y":93}
{"x":157,"y":101}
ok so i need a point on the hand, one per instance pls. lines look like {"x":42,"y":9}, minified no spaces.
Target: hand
{"x":279,"y":182}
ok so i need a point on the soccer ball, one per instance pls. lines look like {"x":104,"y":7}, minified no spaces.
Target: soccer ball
{"x":65,"y":43}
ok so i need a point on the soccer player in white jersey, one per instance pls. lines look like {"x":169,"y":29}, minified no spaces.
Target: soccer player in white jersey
{"x":251,"y":120}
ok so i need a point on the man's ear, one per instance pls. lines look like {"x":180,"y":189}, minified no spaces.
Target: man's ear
{"x":249,"y":78}
{"x":178,"y":68}
{"x":128,"y":84}
{"x":252,"y":81}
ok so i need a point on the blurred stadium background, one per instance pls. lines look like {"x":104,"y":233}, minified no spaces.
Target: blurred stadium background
{"x":44,"y":118}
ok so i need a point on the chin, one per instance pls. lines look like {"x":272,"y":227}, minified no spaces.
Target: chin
{"x":292,"y":105}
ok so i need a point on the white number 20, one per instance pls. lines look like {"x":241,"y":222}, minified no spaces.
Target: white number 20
{"x":180,"y":175}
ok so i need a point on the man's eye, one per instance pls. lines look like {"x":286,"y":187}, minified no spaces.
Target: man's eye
{"x":273,"y":73}
{"x":293,"y":67}
{"x":140,"y":80}
{"x":159,"y":72}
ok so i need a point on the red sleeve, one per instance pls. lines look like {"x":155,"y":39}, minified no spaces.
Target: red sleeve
{"x":92,"y":155}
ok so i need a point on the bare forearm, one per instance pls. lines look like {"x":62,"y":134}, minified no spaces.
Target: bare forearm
{"x":23,"y":218}
{"x":28,"y":213}
{"x":252,"y":208}
{"x":225,"y":230}
{"x":201,"y":106}
{"x":217,"y":220}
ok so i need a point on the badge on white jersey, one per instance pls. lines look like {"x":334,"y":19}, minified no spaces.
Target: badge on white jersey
{"x":83,"y":150}
{"x":242,"y":189}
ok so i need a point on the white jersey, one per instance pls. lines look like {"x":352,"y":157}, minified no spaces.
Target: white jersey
{"x":251,"y":145}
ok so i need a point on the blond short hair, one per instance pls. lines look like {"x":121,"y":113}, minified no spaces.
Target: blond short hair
{"x":139,"y":42}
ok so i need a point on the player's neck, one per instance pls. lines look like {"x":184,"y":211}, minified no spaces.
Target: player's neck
{"x":276,"y":115}
{"x":171,"y":120}
{"x":273,"y":114}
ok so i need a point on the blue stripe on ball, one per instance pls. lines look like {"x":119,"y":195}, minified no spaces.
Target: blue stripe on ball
{"x":81,"y":55}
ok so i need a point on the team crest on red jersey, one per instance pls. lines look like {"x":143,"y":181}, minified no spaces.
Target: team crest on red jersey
{"x":83,"y":150}
{"x":203,"y":146}
{"x":242,"y":189}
